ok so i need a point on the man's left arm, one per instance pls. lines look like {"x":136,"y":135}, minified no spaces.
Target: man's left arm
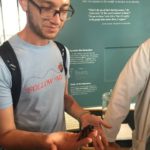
{"x":86,"y":118}
{"x":72,"y":107}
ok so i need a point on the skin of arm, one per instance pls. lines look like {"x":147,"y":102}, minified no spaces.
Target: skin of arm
{"x":14,"y":139}
{"x":73,"y":108}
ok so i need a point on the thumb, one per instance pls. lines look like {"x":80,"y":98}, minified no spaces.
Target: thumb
{"x":53,"y":147}
{"x":105,"y":124}
{"x":84,"y":141}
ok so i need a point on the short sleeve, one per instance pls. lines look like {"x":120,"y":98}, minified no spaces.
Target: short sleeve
{"x":5,"y":86}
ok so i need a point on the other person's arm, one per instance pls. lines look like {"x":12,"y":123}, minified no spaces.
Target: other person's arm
{"x":129,"y":84}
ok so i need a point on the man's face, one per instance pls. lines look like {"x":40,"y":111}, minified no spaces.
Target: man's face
{"x":44,"y":17}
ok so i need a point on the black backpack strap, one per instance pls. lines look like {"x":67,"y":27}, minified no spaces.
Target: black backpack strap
{"x":63,"y":53}
{"x":9,"y":57}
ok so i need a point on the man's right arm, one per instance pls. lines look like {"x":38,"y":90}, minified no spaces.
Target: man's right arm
{"x":14,"y":139}
{"x":11,"y":138}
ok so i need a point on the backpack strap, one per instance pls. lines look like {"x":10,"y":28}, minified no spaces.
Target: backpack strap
{"x":63,"y":54}
{"x":9,"y":57}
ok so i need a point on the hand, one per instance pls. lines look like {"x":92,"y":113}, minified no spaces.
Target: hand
{"x":67,"y":141}
{"x":113,"y":146}
{"x":99,"y":140}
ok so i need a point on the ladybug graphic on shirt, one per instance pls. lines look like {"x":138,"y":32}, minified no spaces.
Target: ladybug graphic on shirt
{"x":60,"y":67}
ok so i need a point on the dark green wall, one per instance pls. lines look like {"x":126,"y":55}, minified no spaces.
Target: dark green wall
{"x":101,"y":36}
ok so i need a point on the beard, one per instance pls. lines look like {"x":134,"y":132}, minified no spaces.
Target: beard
{"x":37,"y":29}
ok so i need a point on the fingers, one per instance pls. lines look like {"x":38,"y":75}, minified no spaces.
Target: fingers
{"x":84,"y":141}
{"x":103,"y":136}
{"x":98,"y":144}
{"x":104,"y":140}
{"x":53,"y":147}
{"x":102,"y":122}
{"x":98,"y":121}
{"x":99,"y":139}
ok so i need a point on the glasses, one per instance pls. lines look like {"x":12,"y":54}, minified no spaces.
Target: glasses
{"x":49,"y":12}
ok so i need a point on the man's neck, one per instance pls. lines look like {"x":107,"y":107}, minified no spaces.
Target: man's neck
{"x":32,"y":38}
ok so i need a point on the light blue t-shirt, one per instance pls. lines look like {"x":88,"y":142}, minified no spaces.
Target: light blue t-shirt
{"x":41,"y":103}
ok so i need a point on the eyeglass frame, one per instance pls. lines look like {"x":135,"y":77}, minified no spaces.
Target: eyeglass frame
{"x":71,"y":9}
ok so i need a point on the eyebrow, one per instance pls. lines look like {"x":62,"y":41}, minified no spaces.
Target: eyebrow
{"x":51,"y":3}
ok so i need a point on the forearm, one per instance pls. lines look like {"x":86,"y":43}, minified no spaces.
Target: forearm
{"x":73,"y":108}
{"x":22,"y":140}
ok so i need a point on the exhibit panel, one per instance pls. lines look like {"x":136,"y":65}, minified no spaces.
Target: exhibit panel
{"x":101,"y":37}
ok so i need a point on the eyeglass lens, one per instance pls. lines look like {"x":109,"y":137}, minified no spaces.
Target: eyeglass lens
{"x":49,"y":12}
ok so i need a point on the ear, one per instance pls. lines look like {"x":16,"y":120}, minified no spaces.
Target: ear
{"x":24,"y":4}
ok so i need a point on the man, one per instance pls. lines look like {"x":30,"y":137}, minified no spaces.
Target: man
{"x":134,"y":81}
{"x":38,"y":121}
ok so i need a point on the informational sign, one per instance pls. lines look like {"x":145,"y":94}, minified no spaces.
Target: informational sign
{"x":101,"y":37}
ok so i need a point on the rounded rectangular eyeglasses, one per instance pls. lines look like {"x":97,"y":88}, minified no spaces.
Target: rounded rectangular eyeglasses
{"x":49,"y":12}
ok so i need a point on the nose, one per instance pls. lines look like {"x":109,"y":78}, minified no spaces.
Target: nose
{"x":56,"y":12}
{"x":56,"y":16}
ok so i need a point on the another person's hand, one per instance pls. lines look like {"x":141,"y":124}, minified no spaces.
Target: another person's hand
{"x":99,"y":141}
{"x":67,"y":141}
